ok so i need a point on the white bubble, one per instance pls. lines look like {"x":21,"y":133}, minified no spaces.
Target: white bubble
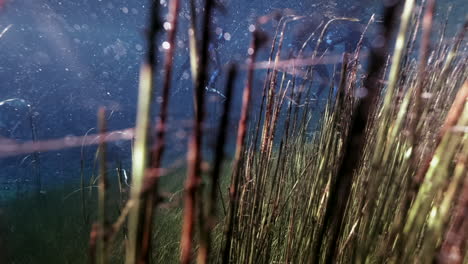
{"x":227,"y":36}
{"x":138,"y":47}
{"x":250,"y":51}
{"x":125,"y":10}
{"x":167,"y":25}
{"x":252,"y":28}
{"x":166,"y":45}
{"x":185,"y":75}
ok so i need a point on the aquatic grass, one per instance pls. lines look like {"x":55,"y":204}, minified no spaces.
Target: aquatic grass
{"x":423,"y":58}
{"x":101,"y":243}
{"x":154,"y":172}
{"x":192,"y":187}
{"x":211,"y":218}
{"x":141,"y":147}
{"x":403,"y":148}
{"x":35,"y":157}
{"x":234,"y":196}
{"x":270,"y":118}
{"x":384,"y":136}
{"x":354,"y":230}
{"x":260,"y":191}
{"x":440,"y":215}
{"x":350,"y":188}
{"x":438,"y":169}
{"x":82,"y":181}
{"x":452,"y":243}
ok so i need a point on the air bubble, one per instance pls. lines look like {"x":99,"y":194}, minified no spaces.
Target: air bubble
{"x":166,"y":45}
{"x":167,"y":26}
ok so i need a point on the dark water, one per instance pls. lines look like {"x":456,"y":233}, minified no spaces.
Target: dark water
{"x":61,"y":60}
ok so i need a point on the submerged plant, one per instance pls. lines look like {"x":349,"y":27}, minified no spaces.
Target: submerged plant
{"x":372,"y":172}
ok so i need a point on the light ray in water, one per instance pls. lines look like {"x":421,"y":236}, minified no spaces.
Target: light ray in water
{"x":213,"y":90}
{"x":15,"y":101}
{"x":24,"y":160}
{"x":126,"y":179}
{"x":5,"y":30}
{"x":211,"y":83}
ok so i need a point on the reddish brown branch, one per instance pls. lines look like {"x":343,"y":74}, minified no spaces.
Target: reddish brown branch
{"x":150,"y":187}
{"x":194,"y":153}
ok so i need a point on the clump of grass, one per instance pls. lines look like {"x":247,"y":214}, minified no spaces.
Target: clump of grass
{"x":381,"y":178}
{"x":306,"y":205}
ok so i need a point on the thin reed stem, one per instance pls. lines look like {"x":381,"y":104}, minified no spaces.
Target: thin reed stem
{"x":141,"y":149}
{"x":218,"y":162}
{"x":154,"y":172}
{"x":102,"y":246}
{"x":194,"y":155}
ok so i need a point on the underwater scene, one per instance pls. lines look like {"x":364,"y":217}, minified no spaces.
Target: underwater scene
{"x":233,"y":131}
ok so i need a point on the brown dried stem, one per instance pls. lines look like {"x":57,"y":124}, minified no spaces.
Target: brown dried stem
{"x":194,"y":153}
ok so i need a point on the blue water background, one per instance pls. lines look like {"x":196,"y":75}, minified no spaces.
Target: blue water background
{"x":65,"y":59}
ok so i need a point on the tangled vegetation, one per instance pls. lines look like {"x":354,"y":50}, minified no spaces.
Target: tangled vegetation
{"x":381,"y":178}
